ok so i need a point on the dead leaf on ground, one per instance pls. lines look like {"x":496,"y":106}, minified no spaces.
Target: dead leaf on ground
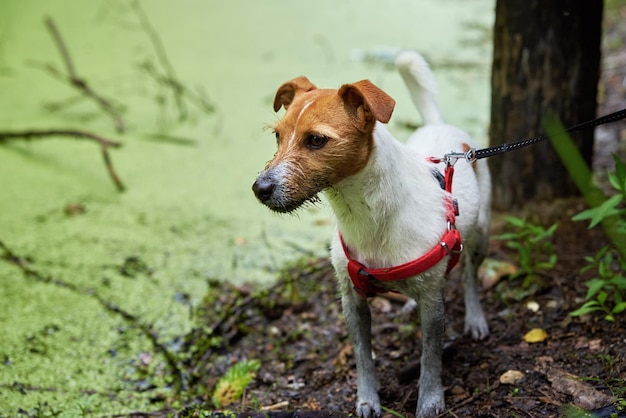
{"x":535,"y":335}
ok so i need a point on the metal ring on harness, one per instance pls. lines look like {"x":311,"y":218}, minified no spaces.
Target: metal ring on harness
{"x":450,"y":251}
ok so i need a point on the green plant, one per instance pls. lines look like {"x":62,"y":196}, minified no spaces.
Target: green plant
{"x":606,"y":291}
{"x":534,"y":247}
{"x":611,"y":206}
{"x":232,"y":385}
{"x":607,"y":287}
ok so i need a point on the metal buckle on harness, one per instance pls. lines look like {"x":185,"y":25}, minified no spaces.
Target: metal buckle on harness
{"x":451,"y":251}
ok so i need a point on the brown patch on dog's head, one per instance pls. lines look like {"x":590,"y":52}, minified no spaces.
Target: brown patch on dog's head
{"x":324,"y":137}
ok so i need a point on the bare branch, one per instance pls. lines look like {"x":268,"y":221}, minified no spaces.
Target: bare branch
{"x":9,"y":135}
{"x":62,"y":48}
{"x":104,"y":143}
{"x":79,"y":83}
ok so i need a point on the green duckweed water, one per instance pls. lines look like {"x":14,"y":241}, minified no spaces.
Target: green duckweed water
{"x":188,"y":214}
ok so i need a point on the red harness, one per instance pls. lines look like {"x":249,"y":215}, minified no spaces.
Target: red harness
{"x":449,"y":245}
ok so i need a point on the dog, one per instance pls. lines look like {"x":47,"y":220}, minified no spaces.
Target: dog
{"x":389,"y":205}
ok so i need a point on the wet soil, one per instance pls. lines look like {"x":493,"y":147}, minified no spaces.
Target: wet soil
{"x":297,"y":331}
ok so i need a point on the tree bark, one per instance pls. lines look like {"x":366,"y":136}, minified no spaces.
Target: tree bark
{"x":546,"y":61}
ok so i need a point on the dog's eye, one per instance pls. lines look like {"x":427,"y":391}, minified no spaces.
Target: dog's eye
{"x":314,"y":141}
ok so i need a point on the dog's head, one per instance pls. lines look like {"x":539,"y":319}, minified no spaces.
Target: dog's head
{"x":324,"y":137}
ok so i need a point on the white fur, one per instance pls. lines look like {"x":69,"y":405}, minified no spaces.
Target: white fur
{"x":392,"y":212}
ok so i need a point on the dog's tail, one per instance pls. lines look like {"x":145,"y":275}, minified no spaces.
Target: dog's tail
{"x":420,"y":81}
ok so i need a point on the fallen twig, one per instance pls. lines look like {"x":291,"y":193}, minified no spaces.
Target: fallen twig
{"x":105,"y":143}
{"x":77,"y":82}
{"x":24,"y":388}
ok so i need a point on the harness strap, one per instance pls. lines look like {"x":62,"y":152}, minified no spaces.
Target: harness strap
{"x":362,"y":276}
{"x":449,"y":245}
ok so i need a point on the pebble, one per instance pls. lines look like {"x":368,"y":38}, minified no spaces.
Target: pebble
{"x":511,"y":377}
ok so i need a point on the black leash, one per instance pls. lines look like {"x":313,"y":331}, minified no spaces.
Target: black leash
{"x":474,"y":154}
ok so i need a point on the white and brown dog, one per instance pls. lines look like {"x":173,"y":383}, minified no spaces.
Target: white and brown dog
{"x":389,"y":204}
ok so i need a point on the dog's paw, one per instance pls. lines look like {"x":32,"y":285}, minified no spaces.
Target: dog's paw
{"x":476,"y":326}
{"x":368,"y":410}
{"x":430,"y":407}
{"x":368,"y":403}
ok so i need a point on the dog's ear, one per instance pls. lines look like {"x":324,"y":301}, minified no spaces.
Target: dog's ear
{"x":289,"y":90}
{"x":366,"y":97}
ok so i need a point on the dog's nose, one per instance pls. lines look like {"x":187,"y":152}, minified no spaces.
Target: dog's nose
{"x":263,"y":189}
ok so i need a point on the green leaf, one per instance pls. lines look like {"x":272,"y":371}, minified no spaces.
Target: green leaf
{"x":553,"y":259}
{"x":620,"y":170}
{"x":552,"y":229}
{"x":602,"y":297}
{"x":588,"y":307}
{"x":518,"y":222}
{"x":615,"y":182}
{"x":594,"y":286}
{"x":618,"y":281}
{"x":619,"y":308}
{"x":521,"y":248}
{"x":507,"y":236}
{"x":599,"y":213}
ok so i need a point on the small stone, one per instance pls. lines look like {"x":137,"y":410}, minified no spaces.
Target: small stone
{"x":552,"y":304}
{"x":511,"y":377}
{"x":533,"y":306}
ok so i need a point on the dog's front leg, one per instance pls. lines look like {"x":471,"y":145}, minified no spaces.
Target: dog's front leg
{"x":358,"y":320}
{"x":431,"y":401}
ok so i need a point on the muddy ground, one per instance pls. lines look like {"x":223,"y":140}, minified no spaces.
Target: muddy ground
{"x":297,"y":332}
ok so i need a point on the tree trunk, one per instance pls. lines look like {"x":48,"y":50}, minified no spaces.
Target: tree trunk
{"x":546,"y":61}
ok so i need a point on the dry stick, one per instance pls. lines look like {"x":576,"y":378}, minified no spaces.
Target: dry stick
{"x":180,"y":89}
{"x":56,"y":73}
{"x":104,"y":144}
{"x":180,"y":377}
{"x":23,"y":387}
{"x":79,"y":83}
